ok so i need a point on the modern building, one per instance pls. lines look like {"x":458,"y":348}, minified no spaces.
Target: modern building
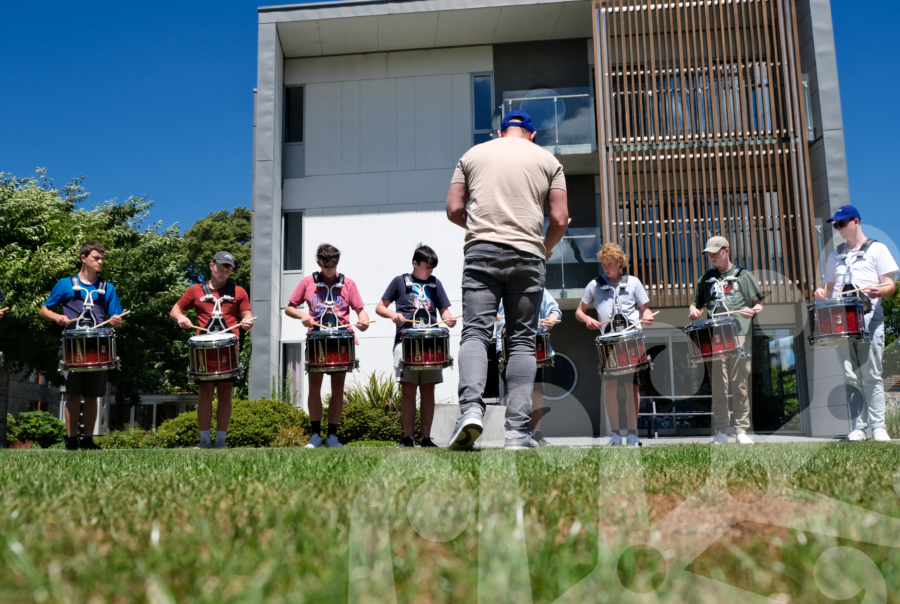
{"x":674,"y":122}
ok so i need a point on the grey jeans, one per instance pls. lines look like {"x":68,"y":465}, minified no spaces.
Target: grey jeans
{"x":862,"y":377}
{"x":493,"y":272}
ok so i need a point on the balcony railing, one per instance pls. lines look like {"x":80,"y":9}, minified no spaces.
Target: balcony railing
{"x":573,"y":263}
{"x":564,"y":118}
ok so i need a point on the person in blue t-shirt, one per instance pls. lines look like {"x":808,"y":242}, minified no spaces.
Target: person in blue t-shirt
{"x":417,"y":297}
{"x":70,"y":293}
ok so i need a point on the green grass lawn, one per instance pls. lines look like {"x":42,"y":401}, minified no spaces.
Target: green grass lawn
{"x":798,"y":523}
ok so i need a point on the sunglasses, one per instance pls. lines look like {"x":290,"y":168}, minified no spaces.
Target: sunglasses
{"x":842,"y":223}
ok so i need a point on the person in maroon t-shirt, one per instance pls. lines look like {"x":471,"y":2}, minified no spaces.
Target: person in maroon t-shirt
{"x":234,"y":312}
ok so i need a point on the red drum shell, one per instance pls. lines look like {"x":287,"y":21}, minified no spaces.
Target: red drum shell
{"x":214,"y":357}
{"x":331,"y":351}
{"x":542,"y":351}
{"x":715,"y":338}
{"x":622,"y":353}
{"x":89,"y":349}
{"x":837,"y":320}
{"x":425,"y":349}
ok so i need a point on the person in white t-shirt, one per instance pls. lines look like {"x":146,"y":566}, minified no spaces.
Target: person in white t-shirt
{"x":620,"y":301}
{"x":865,"y":263}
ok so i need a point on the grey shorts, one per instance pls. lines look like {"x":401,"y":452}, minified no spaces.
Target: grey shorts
{"x":432,"y":376}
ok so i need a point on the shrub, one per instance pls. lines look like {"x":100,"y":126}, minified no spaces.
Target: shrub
{"x":372,"y":412}
{"x":11,"y":430}
{"x":130,"y":438}
{"x":892,"y":420}
{"x":291,"y":436}
{"x":253,"y":424}
{"x":40,"y":428}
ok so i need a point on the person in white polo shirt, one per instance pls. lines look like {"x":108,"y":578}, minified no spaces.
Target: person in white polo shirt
{"x":865,"y":263}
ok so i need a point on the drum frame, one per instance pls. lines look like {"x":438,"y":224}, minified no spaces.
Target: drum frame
{"x":622,"y":337}
{"x":334,"y":336}
{"x":74,"y":336}
{"x":196,"y":345}
{"x":542,"y":333}
{"x":412,"y":335}
{"x":860,"y":337}
{"x":695,"y":354}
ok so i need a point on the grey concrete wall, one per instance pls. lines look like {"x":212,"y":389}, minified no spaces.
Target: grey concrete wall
{"x":266,"y":238}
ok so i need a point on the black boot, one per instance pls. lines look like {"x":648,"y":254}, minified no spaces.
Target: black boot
{"x":88,"y":444}
{"x":72,"y":443}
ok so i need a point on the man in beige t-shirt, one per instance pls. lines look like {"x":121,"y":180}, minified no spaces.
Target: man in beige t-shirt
{"x":498,"y":194}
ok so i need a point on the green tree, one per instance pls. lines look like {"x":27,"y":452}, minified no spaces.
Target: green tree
{"x":219,"y":231}
{"x":891,"y":306}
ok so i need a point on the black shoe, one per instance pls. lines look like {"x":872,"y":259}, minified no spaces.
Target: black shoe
{"x":88,"y":444}
{"x":72,"y":443}
{"x":406,"y":441}
{"x":539,"y":439}
{"x":427,"y":442}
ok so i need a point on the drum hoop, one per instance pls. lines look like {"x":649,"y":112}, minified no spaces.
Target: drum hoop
{"x":620,"y":336}
{"x":328,"y":335}
{"x":835,"y":302}
{"x":714,"y":322}
{"x":426,"y":332}
{"x":97,"y":332}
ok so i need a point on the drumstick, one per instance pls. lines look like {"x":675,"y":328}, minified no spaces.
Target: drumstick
{"x":111,"y":318}
{"x":444,"y":321}
{"x":197,"y":327}
{"x":722,"y":314}
{"x":853,"y":291}
{"x":358,"y":323}
{"x":546,"y":320}
{"x":4,"y":309}
{"x":633,"y":325}
{"x":235,"y":327}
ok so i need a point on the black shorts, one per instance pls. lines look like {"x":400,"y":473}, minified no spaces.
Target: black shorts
{"x":89,"y":384}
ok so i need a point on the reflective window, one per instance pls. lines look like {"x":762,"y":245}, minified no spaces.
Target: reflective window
{"x":293,"y":115}
{"x":293,"y":241}
{"x":483,"y":104}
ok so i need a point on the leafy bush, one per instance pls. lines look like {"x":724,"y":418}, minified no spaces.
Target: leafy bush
{"x":253,"y":424}
{"x":130,"y":438}
{"x":41,"y":428}
{"x":11,"y":430}
{"x":892,"y":420}
{"x":291,"y":436}
{"x":372,"y":412}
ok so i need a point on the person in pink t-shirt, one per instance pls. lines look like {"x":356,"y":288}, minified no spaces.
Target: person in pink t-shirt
{"x":316,"y":297}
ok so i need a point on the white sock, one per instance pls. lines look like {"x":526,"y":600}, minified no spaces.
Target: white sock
{"x":220,"y":436}
{"x":204,"y":435}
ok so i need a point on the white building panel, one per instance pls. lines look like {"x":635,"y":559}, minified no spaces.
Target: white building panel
{"x":339,"y":190}
{"x":323,"y":132}
{"x":464,"y":28}
{"x":434,"y":140}
{"x":462,"y":114}
{"x":414,"y":30}
{"x":300,"y":38}
{"x":336,"y":69}
{"x":350,"y":127}
{"x":526,"y":22}
{"x":574,"y":21}
{"x":417,"y":186}
{"x":440,"y":61}
{"x":349,"y":36}
{"x":406,"y":124}
{"x":378,"y":126}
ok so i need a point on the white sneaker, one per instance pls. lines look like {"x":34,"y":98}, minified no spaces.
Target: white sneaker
{"x":856,"y":436}
{"x":633,"y":441}
{"x":204,"y":444}
{"x":880,"y":434}
{"x":615,"y":440}
{"x":720,"y":439}
{"x":744,"y":439}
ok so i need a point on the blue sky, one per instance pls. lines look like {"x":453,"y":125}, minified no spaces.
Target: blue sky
{"x":157,"y":99}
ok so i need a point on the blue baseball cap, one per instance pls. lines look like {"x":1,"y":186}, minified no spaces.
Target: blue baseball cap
{"x":845,"y":212}
{"x":518,"y":113}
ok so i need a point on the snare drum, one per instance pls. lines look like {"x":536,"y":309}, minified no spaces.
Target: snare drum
{"x":425,"y":348}
{"x":622,"y":353}
{"x":331,"y":351}
{"x":715,"y":338}
{"x":837,"y":320}
{"x":214,"y":356}
{"x":542,"y":351}
{"x":89,"y":349}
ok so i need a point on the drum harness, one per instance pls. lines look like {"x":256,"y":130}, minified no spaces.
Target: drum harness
{"x":217,"y":322}
{"x":328,"y":318}
{"x":719,"y":289}
{"x":849,"y":285}
{"x":619,"y":322}
{"x":421,"y":300}
{"x":88,"y":307}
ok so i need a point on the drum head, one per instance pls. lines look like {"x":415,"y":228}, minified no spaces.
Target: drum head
{"x":209,"y":338}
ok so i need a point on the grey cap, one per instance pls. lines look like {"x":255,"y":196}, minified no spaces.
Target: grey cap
{"x":224,"y":258}
{"x":715,"y":244}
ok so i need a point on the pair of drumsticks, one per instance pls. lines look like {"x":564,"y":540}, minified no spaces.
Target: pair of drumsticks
{"x":345,"y":326}
{"x":102,"y":324}
{"x":208,"y":331}
{"x":554,"y":321}
{"x":434,"y":324}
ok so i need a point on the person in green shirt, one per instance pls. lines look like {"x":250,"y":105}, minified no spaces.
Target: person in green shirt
{"x":740,"y":293}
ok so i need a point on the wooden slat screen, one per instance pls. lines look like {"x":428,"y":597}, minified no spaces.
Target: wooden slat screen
{"x":701,"y":131}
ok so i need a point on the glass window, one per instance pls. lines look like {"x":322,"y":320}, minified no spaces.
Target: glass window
{"x":293,"y":115}
{"x":483,"y":103}
{"x":293,"y":232}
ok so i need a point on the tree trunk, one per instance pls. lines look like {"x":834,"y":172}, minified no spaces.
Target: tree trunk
{"x":4,"y":401}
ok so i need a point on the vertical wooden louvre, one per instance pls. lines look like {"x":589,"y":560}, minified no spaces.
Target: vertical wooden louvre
{"x":701,"y":132}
